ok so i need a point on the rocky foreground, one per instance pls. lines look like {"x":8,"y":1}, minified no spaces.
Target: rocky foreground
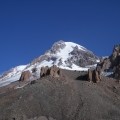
{"x":69,"y":97}
{"x":65,"y":95}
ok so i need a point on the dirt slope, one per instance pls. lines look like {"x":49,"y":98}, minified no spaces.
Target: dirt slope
{"x":66,"y":98}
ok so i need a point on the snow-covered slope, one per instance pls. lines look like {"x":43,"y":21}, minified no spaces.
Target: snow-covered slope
{"x":66,"y":55}
{"x":12,"y":75}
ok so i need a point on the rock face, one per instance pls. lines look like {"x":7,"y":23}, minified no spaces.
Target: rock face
{"x":82,"y":58}
{"x":44,"y":71}
{"x":112,"y":63}
{"x":115,"y":61}
{"x":116,"y":68}
{"x":115,"y":54}
{"x":95,"y":75}
{"x":53,"y":71}
{"x":25,"y":76}
{"x":117,"y":72}
{"x":104,"y":64}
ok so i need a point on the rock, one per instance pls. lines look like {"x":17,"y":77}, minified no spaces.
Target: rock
{"x":103,"y":65}
{"x":90,"y":72}
{"x":60,"y":62}
{"x":44,"y":71}
{"x":82,"y":58}
{"x":114,"y":58}
{"x":115,"y":62}
{"x":116,"y":53}
{"x":117,"y":71}
{"x":34,"y":70}
{"x":53,"y":71}
{"x":57,"y":46}
{"x":33,"y":82}
{"x":25,"y":76}
{"x":107,"y":64}
{"x":42,"y":74}
{"x":94,"y":76}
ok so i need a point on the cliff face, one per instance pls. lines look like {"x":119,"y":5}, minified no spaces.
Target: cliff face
{"x":107,"y":67}
{"x":115,"y":61}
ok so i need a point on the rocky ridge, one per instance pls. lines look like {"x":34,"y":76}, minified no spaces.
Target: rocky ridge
{"x":107,"y":67}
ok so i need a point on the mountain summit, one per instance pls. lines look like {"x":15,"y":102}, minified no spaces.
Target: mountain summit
{"x":65,"y":55}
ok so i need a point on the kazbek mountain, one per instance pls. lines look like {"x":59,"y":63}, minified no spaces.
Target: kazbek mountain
{"x":65,"y":55}
{"x":70,"y":93}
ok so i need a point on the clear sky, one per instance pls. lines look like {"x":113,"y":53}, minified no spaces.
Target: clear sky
{"x":29,"y":27}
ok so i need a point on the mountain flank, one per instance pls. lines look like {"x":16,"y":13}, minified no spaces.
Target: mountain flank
{"x":64,"y":94}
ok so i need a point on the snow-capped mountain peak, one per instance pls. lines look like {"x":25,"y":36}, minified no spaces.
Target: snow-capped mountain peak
{"x":66,"y":46}
{"x":66,"y":55}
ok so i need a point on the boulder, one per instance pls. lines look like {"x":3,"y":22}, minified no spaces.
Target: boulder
{"x":90,"y":72}
{"x":25,"y":76}
{"x":94,"y":76}
{"x":44,"y":71}
{"x":53,"y":71}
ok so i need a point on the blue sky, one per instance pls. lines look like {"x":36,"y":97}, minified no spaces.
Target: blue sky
{"x":29,"y":27}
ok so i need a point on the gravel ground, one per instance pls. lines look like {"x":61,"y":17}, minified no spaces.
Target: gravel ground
{"x":66,"y":98}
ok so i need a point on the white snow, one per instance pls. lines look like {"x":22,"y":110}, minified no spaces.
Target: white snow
{"x":71,"y":44}
{"x":74,"y":67}
{"x":107,"y":73}
{"x":10,"y":80}
{"x":12,"y":76}
{"x":97,"y":61}
{"x":14,"y":71}
{"x":64,"y":53}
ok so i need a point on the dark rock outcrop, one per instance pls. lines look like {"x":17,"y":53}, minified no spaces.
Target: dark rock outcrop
{"x":104,"y":65}
{"x":44,"y":71}
{"x":117,"y":68}
{"x":57,"y":46}
{"x":25,"y":76}
{"x":115,"y":54}
{"x":53,"y":71}
{"x":82,"y":58}
{"x":110,"y":64}
{"x":117,"y":72}
{"x":115,"y":61}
